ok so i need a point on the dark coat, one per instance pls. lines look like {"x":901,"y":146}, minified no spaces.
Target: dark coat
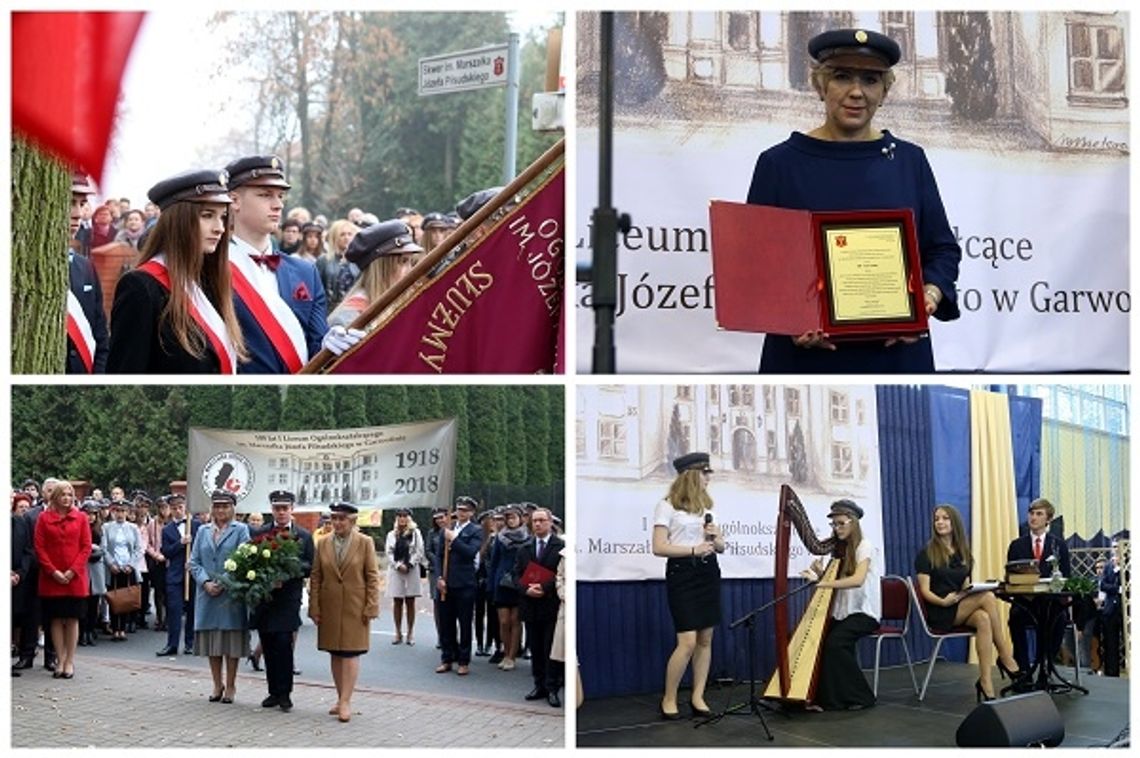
{"x":23,"y":558}
{"x":461,"y":563}
{"x":1021,"y":549}
{"x":141,"y":341}
{"x":175,"y":552}
{"x":543,"y":608}
{"x":300,"y":287}
{"x":84,"y":284}
{"x":282,"y":611}
{"x":1110,"y":586}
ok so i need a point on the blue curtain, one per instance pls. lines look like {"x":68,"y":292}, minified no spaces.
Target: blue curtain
{"x":625,"y":634}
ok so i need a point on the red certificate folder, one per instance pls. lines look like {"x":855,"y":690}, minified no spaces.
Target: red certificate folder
{"x":770,"y":270}
{"x":536,"y":573}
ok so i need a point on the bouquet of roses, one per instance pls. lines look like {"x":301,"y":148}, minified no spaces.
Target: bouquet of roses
{"x":260,"y":565}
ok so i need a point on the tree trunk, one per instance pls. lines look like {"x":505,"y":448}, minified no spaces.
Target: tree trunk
{"x":301,"y":55}
{"x":40,"y":211}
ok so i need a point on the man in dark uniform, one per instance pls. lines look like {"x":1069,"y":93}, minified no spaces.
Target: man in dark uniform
{"x":86,"y":322}
{"x":176,"y":541}
{"x":540,"y":605}
{"x":456,"y":584}
{"x":1039,"y":545}
{"x":279,"y":617}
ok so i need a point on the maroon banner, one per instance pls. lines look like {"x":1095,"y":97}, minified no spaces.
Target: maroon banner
{"x":496,"y":309}
{"x":67,"y":69}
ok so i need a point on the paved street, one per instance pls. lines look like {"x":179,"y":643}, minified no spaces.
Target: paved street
{"x":122,"y":695}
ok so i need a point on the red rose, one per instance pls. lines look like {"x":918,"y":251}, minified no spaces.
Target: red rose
{"x":302,"y":292}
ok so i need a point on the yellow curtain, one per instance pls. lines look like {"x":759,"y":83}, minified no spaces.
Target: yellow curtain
{"x":1085,"y":473}
{"x":993,"y":495}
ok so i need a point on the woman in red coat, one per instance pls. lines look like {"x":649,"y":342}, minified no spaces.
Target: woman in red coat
{"x":63,"y":543}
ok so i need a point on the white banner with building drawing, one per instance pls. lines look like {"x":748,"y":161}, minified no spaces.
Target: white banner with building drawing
{"x":822,"y":440}
{"x":1024,"y":118}
{"x":404,"y":465}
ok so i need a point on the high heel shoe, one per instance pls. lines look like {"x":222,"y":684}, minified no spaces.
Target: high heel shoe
{"x":982,"y":696}
{"x":254,"y":662}
{"x":700,"y":712}
{"x":1013,"y":675}
{"x":215,"y":698}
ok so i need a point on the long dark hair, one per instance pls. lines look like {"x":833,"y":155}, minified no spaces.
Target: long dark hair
{"x":176,"y":234}
{"x":938,"y":553}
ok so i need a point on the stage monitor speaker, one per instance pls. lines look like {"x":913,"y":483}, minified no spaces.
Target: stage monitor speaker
{"x":1019,"y":721}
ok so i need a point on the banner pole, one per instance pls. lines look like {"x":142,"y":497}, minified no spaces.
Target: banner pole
{"x":544,"y":161}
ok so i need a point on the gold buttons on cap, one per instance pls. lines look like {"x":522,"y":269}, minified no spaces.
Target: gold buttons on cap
{"x":861,"y":36}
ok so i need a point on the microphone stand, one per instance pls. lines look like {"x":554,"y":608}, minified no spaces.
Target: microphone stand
{"x":754,"y":705}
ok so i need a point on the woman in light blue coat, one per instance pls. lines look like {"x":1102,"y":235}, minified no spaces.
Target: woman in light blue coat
{"x":221,"y":621}
{"x":121,"y":550}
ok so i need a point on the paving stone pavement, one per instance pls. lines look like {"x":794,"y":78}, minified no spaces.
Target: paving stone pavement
{"x":115,"y":703}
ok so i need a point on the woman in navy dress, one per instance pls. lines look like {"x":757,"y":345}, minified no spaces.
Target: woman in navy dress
{"x":174,"y":313}
{"x":847,"y":164}
{"x":943,"y":568}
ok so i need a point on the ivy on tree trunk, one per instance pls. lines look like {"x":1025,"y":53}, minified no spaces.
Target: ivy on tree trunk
{"x":40,"y":209}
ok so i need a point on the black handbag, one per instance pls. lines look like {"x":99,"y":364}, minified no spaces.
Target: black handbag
{"x":507,"y":581}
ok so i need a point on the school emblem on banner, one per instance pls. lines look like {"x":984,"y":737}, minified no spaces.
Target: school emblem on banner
{"x":228,"y":471}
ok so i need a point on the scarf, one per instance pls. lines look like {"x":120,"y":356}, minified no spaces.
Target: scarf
{"x":513,"y":539}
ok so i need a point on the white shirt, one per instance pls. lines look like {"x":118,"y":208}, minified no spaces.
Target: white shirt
{"x":866,"y":598}
{"x":684,"y":528}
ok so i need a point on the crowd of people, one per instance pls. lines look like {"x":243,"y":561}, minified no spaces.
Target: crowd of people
{"x":225,"y":281}
{"x":73,"y":563}
{"x":685,"y":532}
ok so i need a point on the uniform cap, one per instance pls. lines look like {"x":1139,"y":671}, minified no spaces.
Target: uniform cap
{"x":259,"y":170}
{"x":856,"y":48}
{"x":392,"y":237}
{"x":692,"y":461}
{"x":201,"y":186}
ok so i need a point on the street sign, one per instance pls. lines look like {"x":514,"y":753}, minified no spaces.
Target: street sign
{"x":465,"y":70}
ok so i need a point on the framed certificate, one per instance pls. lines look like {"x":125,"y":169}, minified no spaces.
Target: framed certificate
{"x":872,"y":278}
{"x":851,"y":274}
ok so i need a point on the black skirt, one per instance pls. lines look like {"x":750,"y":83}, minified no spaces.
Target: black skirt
{"x":693,"y":588}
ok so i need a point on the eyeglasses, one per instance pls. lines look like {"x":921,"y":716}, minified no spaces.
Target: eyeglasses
{"x":840,"y":522}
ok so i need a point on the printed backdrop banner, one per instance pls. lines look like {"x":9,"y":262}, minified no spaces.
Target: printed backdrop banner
{"x":822,"y":440}
{"x":1023,"y":116}
{"x":496,"y":309}
{"x":404,"y":465}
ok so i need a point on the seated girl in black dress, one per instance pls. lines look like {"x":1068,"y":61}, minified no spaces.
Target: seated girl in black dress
{"x":943,"y":569}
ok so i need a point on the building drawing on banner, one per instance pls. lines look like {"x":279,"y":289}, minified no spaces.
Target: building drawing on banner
{"x":815,"y":437}
{"x":327,"y":478}
{"x":1029,"y":80}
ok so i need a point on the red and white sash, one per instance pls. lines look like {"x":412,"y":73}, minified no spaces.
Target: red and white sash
{"x":272,"y":313}
{"x":203,"y":312}
{"x":79,"y":332}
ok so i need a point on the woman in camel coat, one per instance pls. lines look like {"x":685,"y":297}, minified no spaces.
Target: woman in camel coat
{"x":344,"y":597}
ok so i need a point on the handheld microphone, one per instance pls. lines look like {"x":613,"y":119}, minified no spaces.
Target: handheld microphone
{"x":708,"y":520}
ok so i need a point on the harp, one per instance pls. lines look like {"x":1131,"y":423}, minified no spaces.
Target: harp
{"x":798,"y":658}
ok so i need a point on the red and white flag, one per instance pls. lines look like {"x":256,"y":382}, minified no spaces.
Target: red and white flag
{"x":67,"y":68}
{"x":495,"y":309}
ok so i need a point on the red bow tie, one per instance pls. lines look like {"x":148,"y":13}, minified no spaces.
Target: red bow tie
{"x":272,"y":261}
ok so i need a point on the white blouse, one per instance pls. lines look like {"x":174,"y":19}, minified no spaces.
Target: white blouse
{"x":684,"y":528}
{"x":867,"y":597}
